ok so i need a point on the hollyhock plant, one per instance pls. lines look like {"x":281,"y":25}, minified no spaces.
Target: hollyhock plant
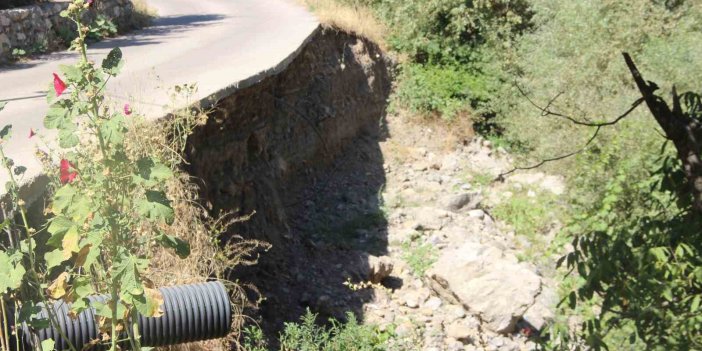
{"x":127,"y":109}
{"x":59,"y":85}
{"x":66,"y":176}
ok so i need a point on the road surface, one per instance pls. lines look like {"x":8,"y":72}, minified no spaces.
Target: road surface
{"x":218,"y":44}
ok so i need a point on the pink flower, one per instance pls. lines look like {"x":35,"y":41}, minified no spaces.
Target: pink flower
{"x":59,"y":85}
{"x":66,"y":175}
{"x":90,"y":2}
{"x":31,"y":133}
{"x":127,"y":109}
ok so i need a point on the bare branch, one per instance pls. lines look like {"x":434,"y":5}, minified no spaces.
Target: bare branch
{"x":546,"y":111}
{"x":543,"y":162}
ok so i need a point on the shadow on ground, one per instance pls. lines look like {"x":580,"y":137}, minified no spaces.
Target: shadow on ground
{"x":167,"y":26}
{"x":300,"y":151}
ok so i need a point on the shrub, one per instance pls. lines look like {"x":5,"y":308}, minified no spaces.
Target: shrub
{"x":443,"y":90}
{"x":308,"y":336}
{"x":574,"y":50}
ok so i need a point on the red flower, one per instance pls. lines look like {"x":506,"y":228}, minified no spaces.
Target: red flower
{"x":66,"y":175}
{"x":31,"y":133}
{"x":127,"y":109}
{"x":59,"y":85}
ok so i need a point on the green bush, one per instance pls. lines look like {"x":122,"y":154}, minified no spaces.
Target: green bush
{"x":445,"y":90}
{"x":640,"y":257}
{"x":448,"y":43}
{"x":308,"y":336}
{"x":575,"y":50}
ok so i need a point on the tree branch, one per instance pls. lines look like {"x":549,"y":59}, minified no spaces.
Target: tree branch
{"x":546,"y":111}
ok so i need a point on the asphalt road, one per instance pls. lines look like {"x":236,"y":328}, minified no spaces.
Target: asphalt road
{"x":218,"y":44}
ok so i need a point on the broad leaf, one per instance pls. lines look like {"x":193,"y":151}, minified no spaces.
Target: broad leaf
{"x":68,"y":136}
{"x":149,"y":303}
{"x":6,"y":132}
{"x":58,"y":228}
{"x":48,"y":345}
{"x":58,"y":288}
{"x":11,"y":273}
{"x":181,"y":247}
{"x":113,"y":63}
{"x":152,"y":172}
{"x":54,"y":258}
{"x":113,"y":130}
{"x":63,"y":198}
{"x":155,"y":207}
{"x":72,"y":73}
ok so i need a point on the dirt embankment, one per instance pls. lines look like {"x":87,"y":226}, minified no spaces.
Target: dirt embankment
{"x":265,"y":146}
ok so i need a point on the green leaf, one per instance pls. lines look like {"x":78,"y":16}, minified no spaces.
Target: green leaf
{"x":56,"y":117}
{"x":113,"y":63}
{"x":63,"y":198}
{"x":58,"y":228}
{"x":152,"y":172}
{"x":695,"y":303}
{"x":148,"y":303}
{"x":68,"y":136}
{"x":11,"y":273}
{"x":155,"y":207}
{"x":82,"y":287}
{"x":114,"y":129}
{"x":126,"y":271}
{"x":19,"y":170}
{"x":54,"y":258}
{"x":2,"y":105}
{"x":6,"y":132}
{"x":48,"y":345}
{"x":72,"y":73}
{"x":181,"y":247}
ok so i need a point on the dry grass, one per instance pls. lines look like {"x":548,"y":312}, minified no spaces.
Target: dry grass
{"x":208,"y":259}
{"x":143,"y":13}
{"x":357,"y":20}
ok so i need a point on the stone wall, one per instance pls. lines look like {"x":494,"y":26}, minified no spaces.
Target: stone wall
{"x":40,"y":28}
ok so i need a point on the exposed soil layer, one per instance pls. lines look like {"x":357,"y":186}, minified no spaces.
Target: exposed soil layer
{"x":270,"y":149}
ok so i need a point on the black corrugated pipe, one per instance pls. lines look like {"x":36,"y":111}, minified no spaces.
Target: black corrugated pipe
{"x":191,"y":313}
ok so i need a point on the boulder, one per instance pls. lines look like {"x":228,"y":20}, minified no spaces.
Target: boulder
{"x":428,"y":218}
{"x":487,"y":282}
{"x":379,"y":268}
{"x":459,"y":201}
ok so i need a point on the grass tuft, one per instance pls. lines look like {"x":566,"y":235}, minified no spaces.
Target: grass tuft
{"x":357,"y":19}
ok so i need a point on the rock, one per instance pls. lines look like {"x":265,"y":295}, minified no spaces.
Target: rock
{"x":433,"y":303}
{"x":480,"y":214}
{"x":542,"y":312}
{"x":459,"y":201}
{"x":411,"y":299}
{"x":454,"y":312}
{"x":379,"y":268}
{"x":405,"y":329}
{"x":488,"y":282}
{"x":4,"y":21}
{"x":427,"y":218}
{"x":453,"y":345}
{"x":460,"y":331}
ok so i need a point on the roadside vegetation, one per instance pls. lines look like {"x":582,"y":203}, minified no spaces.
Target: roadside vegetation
{"x":122,"y":217}
{"x":537,"y":77}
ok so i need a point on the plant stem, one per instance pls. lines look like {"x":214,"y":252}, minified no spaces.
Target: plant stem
{"x":6,"y":336}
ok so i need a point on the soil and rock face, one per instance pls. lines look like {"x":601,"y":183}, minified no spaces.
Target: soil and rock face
{"x":373,"y":214}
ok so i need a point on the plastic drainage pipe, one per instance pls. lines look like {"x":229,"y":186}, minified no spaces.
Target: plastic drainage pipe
{"x":190,"y":313}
